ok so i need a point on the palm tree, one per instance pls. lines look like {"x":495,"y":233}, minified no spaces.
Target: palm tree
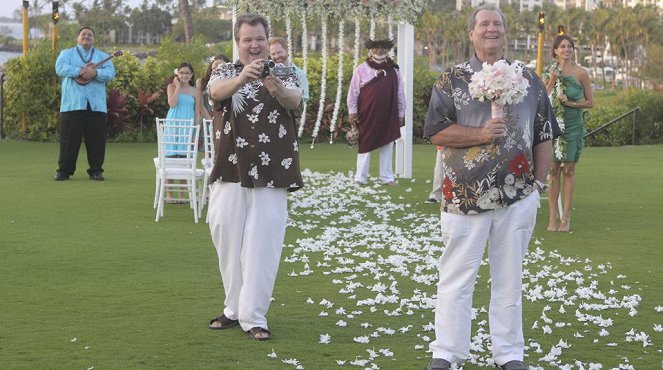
{"x":429,"y":25}
{"x":185,"y":17}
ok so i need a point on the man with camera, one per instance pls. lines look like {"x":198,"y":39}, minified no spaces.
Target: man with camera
{"x":256,"y":165}
{"x":278,"y":50}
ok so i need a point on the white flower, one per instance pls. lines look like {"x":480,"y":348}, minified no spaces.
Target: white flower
{"x":253,"y":172}
{"x":264,"y":157}
{"x":273,"y":115}
{"x":500,"y":82}
{"x":252,"y":117}
{"x":263,"y":138}
{"x":240,"y":142}
{"x":325,"y":338}
{"x":361,"y":339}
{"x":286,"y":163}
{"x":226,"y":128}
{"x":282,"y":131}
{"x":232,"y":158}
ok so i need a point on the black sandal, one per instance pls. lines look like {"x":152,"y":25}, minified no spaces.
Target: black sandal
{"x":259,"y":333}
{"x":224,"y":321}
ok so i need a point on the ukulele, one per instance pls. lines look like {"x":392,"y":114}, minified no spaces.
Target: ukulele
{"x":82,"y":81}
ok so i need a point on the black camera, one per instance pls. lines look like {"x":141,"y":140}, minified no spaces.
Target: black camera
{"x":270,"y":68}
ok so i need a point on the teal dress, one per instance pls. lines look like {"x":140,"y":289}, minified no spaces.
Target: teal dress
{"x":184,"y":109}
{"x":574,"y":128}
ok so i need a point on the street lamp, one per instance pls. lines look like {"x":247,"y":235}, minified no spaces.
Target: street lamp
{"x":539,"y":52}
{"x":56,"y":17}
{"x":560,"y":30}
{"x":26,"y":28}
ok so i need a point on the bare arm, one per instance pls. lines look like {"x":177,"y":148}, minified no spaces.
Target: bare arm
{"x":200,"y":107}
{"x":550,"y":83}
{"x":589,"y":93}
{"x":223,"y":88}
{"x":459,"y":136}
{"x":173,"y":91}
{"x":542,"y":158}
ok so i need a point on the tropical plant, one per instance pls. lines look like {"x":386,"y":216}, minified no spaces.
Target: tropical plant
{"x":32,"y":95}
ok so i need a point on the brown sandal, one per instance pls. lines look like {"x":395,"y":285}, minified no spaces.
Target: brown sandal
{"x":259,"y":333}
{"x":224,"y":322}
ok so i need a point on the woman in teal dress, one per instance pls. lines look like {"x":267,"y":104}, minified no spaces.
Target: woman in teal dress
{"x":571,"y":93}
{"x":184,"y":101}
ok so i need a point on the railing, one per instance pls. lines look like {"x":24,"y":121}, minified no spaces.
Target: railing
{"x":2,"y":104}
{"x":631,"y":112}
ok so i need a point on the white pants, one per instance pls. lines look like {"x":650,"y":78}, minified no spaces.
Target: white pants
{"x":436,"y":192}
{"x":508,"y":231}
{"x":386,"y":171}
{"x":247,"y":227}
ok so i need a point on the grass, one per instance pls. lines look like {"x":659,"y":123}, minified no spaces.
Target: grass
{"x":85,"y":260}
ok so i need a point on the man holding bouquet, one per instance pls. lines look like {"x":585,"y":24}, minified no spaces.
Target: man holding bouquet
{"x":495,"y":166}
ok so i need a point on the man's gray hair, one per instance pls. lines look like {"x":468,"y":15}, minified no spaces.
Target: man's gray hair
{"x":472,"y":20}
{"x":251,"y":19}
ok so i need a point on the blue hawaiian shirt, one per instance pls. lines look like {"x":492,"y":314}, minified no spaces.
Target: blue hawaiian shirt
{"x":74,"y":95}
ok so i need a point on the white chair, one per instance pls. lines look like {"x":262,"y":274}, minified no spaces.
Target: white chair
{"x":207,"y":161}
{"x":176,"y":164}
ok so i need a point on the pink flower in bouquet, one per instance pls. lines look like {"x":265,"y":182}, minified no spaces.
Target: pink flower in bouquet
{"x":500,"y":83}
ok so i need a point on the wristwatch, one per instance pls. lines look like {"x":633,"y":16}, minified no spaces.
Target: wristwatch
{"x":541,"y":185}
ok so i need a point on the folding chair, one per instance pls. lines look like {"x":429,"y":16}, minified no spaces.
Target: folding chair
{"x":207,"y":161}
{"x":176,"y":171}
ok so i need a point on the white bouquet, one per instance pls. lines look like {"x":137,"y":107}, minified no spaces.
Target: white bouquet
{"x":500,"y":83}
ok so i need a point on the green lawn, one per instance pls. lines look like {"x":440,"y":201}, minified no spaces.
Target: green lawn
{"x":88,"y":279}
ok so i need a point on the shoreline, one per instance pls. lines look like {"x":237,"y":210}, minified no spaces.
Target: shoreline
{"x":11,"y":48}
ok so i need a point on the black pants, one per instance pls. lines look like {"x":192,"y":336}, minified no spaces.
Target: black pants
{"x":76,"y":126}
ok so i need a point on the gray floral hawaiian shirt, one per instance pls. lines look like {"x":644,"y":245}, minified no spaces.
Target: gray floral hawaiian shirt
{"x":255,"y":137}
{"x":488,"y":176}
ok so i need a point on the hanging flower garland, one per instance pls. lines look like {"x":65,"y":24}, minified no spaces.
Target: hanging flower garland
{"x":339,"y":85}
{"x":390,"y":33}
{"x":405,"y":10}
{"x":288,"y":30}
{"x":559,"y":144}
{"x":371,"y":32}
{"x":323,"y":82}
{"x":302,"y":119}
{"x":355,"y":62}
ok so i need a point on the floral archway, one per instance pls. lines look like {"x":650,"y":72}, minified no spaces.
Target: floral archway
{"x":334,"y":12}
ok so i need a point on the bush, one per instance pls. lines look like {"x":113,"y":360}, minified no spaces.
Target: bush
{"x":32,"y":95}
{"x":648,"y":118}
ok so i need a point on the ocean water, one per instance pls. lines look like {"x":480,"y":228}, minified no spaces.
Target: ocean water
{"x":6,"y":55}
{"x":15,"y":30}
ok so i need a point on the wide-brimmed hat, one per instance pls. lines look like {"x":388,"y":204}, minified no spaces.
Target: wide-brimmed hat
{"x":379,"y":43}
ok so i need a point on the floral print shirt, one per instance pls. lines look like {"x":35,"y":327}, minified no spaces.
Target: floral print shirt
{"x":255,"y":137}
{"x":488,"y":176}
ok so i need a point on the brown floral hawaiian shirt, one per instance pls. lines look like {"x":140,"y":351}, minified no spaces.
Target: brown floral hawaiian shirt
{"x":255,"y":137}
{"x":488,"y":176}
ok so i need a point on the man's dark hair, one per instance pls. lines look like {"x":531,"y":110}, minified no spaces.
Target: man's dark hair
{"x":251,"y":19}
{"x":86,"y":28}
